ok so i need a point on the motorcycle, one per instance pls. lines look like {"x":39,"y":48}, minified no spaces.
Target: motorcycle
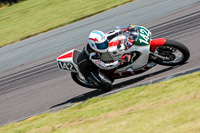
{"x":145,"y":54}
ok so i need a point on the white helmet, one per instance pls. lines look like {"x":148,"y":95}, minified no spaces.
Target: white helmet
{"x":98,"y":41}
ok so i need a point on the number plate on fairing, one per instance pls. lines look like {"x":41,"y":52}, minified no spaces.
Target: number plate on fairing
{"x":144,"y":37}
{"x":67,"y":66}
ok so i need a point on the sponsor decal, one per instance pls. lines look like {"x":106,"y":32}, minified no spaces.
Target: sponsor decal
{"x":66,"y":66}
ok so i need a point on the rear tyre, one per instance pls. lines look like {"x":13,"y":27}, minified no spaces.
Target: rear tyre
{"x":107,"y":89}
{"x":79,"y":79}
{"x":175,"y":53}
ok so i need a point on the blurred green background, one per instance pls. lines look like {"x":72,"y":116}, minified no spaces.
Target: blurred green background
{"x":31,"y":17}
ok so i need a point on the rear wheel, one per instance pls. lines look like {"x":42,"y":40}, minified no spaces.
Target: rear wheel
{"x":79,"y":79}
{"x":172,"y":53}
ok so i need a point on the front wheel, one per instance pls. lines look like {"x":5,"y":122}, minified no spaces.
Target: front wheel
{"x":79,"y":79}
{"x":172,"y":53}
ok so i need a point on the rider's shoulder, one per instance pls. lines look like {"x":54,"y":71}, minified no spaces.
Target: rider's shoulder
{"x":88,"y":49}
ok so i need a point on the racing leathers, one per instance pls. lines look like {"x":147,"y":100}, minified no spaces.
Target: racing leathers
{"x":90,"y":63}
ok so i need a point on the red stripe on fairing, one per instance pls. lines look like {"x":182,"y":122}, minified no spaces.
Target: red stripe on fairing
{"x":156,"y":43}
{"x":69,"y":55}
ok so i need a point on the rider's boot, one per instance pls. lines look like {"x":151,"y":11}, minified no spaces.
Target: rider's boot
{"x":100,"y":80}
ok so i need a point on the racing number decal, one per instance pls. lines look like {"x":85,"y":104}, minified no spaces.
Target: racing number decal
{"x":144,"y":36}
{"x":67,"y":66}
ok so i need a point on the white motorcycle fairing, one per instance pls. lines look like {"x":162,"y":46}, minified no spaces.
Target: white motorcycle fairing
{"x":68,"y":62}
{"x":145,"y":54}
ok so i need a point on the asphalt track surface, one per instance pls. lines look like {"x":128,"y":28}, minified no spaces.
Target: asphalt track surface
{"x":39,"y":86}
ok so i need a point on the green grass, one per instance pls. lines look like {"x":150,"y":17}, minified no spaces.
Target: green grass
{"x":32,"y":17}
{"x":171,"y":106}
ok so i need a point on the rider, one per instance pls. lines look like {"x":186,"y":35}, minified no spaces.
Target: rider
{"x":89,"y":60}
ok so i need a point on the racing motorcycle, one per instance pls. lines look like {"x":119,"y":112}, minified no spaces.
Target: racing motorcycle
{"x":145,"y":54}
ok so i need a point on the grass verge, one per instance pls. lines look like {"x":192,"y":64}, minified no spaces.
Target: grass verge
{"x":32,"y":17}
{"x":171,"y":106}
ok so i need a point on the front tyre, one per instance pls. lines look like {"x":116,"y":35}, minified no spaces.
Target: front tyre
{"x":79,"y":79}
{"x":173,"y":53}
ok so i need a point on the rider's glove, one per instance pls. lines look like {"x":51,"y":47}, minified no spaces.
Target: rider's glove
{"x":125,"y":58}
{"x":120,"y":61}
{"x":128,"y":45}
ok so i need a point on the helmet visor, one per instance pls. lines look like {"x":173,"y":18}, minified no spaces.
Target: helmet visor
{"x":102,"y":46}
